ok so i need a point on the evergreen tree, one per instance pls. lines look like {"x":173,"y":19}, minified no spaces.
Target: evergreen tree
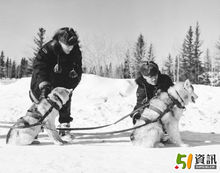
{"x":218,"y":44}
{"x":106,"y":71}
{"x":150,"y":56}
{"x":23,"y":70}
{"x":217,"y":59}
{"x":169,"y":67}
{"x":197,"y":64}
{"x":101,"y":71}
{"x":187,"y":70}
{"x":110,"y":70}
{"x":18,"y":72}
{"x":39,"y":42}
{"x":92,"y":70}
{"x":177,"y":68}
{"x":2,"y":65}
{"x":207,"y":62}
{"x":13,"y":70}
{"x":10,"y":68}
{"x":204,"y":79}
{"x":127,"y":66}
{"x":7,"y":68}
{"x":119,"y":71}
{"x":139,"y":52}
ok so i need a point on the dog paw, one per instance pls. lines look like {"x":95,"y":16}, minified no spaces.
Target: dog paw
{"x":159,"y":145}
{"x":65,"y":142}
{"x":165,"y":138}
{"x":60,"y":142}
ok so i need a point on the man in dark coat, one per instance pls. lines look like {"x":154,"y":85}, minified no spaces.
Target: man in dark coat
{"x":150,"y":81}
{"x":57,"y":64}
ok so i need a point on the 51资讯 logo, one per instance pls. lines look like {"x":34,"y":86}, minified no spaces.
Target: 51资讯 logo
{"x":202,"y":161}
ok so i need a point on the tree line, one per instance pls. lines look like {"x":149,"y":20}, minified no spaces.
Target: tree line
{"x":9,"y":68}
{"x":190,"y":63}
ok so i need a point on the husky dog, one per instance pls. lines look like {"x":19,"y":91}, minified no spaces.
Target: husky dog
{"x":21,"y":134}
{"x":173,"y":103}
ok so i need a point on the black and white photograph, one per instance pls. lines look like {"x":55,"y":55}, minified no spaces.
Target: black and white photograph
{"x":109,"y":86}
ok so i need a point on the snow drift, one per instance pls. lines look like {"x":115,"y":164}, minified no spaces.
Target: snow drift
{"x":98,"y":101}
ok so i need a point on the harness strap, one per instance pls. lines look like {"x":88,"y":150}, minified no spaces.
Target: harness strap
{"x":107,"y":125}
{"x":161,"y":114}
{"x":110,"y":132}
{"x":176,"y":102}
{"x":145,"y":119}
{"x":54,"y":104}
{"x":155,"y":109}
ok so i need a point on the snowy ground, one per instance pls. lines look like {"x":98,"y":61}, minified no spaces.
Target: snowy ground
{"x":98,"y":101}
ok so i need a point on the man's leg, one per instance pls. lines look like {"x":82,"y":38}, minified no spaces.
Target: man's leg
{"x":65,"y":120}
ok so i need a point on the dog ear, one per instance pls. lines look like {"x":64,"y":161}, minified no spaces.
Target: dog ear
{"x":187,"y":84}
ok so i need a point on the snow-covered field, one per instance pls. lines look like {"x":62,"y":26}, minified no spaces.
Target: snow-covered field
{"x":98,"y":101}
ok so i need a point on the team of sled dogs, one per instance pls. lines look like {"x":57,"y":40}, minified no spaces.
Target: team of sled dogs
{"x":148,"y":135}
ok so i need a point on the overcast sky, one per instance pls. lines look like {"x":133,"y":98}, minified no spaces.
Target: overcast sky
{"x":162,"y":22}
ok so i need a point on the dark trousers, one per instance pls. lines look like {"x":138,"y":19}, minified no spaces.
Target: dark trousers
{"x":65,"y":113}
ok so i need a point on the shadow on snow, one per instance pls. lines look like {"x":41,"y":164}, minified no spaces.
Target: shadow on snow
{"x":193,"y":139}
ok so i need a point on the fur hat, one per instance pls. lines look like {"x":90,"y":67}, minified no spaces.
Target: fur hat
{"x":67,"y":36}
{"x":149,"y":68}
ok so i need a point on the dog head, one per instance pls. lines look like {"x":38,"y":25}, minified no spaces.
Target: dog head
{"x":183,"y":92}
{"x":60,"y":95}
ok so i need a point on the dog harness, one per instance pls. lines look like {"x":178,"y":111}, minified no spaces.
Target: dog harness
{"x":162,"y":113}
{"x":38,"y":115}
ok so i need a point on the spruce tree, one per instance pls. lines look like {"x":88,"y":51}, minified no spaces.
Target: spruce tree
{"x":169,"y":67}
{"x":92,"y":70}
{"x":197,"y":64}
{"x":2,"y":65}
{"x":10,"y":67}
{"x":119,"y":71}
{"x":13,"y":70}
{"x":127,"y":66}
{"x":176,"y":68}
{"x":7,"y":68}
{"x":39,"y":41}
{"x":106,"y":71}
{"x":101,"y":71}
{"x":217,"y":58}
{"x":150,"y":53}
{"x":139,"y":52}
{"x":18,"y":72}
{"x":110,"y":70}
{"x":187,"y":70}
{"x":23,"y":70}
{"x":207,"y":62}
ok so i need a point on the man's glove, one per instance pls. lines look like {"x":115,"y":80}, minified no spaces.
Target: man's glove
{"x":45,"y":89}
{"x":73,"y":74}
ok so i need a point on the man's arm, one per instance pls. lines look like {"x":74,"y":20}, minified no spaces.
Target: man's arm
{"x":41,"y":66}
{"x":141,"y":96}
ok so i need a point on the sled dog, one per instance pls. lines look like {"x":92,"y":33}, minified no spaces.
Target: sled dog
{"x":47,"y":106}
{"x":150,"y":135}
